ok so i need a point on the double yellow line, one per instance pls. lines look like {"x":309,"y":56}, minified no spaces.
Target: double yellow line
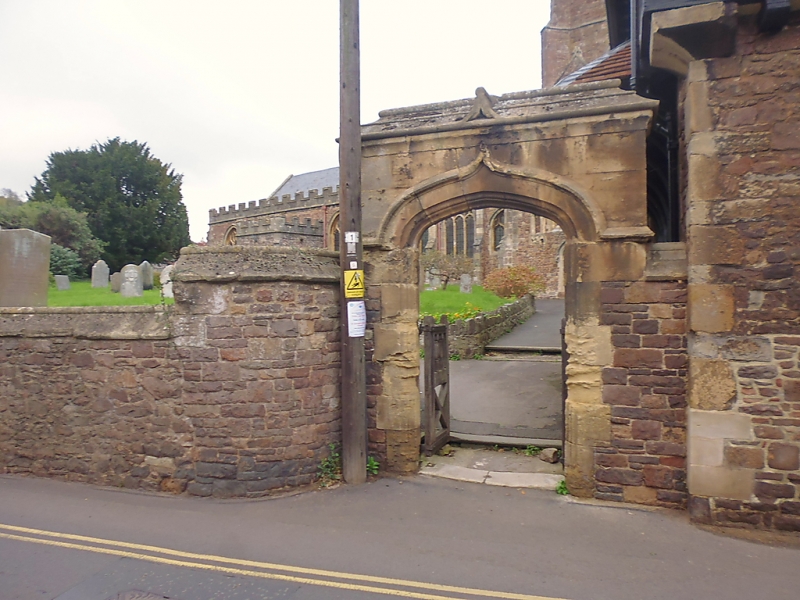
{"x":249,"y":568}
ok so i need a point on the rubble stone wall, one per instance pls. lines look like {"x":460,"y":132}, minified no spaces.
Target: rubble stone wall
{"x":469,"y":337}
{"x":743,"y":135}
{"x":232,"y":392}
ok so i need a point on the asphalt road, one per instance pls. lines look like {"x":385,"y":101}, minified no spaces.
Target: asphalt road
{"x":404,"y":538}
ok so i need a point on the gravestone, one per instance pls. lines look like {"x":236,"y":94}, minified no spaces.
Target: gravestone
{"x":116,"y":282}
{"x":466,"y":284}
{"x":62,"y":283}
{"x":435,"y":283}
{"x":100,"y":274}
{"x":24,"y":267}
{"x":131,"y":281}
{"x":147,"y":275}
{"x":166,"y":282}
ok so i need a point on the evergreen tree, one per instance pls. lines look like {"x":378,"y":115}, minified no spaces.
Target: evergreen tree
{"x":132,"y":199}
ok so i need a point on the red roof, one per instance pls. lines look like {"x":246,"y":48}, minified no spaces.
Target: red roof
{"x":614,"y":64}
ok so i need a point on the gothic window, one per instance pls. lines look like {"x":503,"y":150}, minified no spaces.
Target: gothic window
{"x":470,"y":235}
{"x":424,"y":242}
{"x":460,"y":236}
{"x":335,"y":235}
{"x":448,"y":236}
{"x":230,"y":237}
{"x":498,"y":229}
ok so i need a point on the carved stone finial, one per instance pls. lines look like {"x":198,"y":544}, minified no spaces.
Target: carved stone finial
{"x":482,"y":106}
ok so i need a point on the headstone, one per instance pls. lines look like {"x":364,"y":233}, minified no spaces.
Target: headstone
{"x":436,"y":283}
{"x":116,"y":282}
{"x":147,"y":275}
{"x":62,"y":283}
{"x":466,"y":284}
{"x":166,"y":282}
{"x":100,"y":274}
{"x":24,"y":267}
{"x":131,"y":282}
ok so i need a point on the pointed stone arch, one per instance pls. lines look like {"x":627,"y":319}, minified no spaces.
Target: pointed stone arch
{"x":486,"y":183}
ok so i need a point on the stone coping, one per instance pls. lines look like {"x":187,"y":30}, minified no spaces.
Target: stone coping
{"x":220,"y":264}
{"x":82,"y":310}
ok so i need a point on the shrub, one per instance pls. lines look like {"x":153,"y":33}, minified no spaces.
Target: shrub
{"x":513,"y":281}
{"x":64,"y":261}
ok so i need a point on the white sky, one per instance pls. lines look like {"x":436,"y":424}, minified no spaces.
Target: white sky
{"x":238,"y":94}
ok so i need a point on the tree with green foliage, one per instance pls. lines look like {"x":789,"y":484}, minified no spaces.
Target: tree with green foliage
{"x":133,"y":200}
{"x":445,"y":266}
{"x":67,"y":228}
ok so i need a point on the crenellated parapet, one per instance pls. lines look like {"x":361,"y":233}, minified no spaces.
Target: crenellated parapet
{"x":275,"y":204}
{"x":279,"y":224}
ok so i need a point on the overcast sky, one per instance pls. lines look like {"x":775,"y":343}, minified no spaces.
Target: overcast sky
{"x":238,"y":94}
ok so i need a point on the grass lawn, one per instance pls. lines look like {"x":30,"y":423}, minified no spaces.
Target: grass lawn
{"x":452,"y":301}
{"x":81,"y":293}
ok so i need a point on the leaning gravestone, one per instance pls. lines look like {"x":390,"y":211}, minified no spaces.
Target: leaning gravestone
{"x":24,"y":267}
{"x":116,"y":282}
{"x":435,"y":283}
{"x":147,"y":275}
{"x":131,"y":282}
{"x":166,"y":282}
{"x":100,"y":274}
{"x":62,"y":282}
{"x":466,"y":284}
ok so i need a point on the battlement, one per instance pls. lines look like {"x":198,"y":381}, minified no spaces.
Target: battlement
{"x":294,"y":226}
{"x":265,"y":206}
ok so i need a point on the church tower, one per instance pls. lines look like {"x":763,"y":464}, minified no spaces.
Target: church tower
{"x":576,"y":35}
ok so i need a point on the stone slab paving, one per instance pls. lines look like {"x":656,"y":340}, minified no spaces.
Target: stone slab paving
{"x":506,"y":469}
{"x":542,"y":330}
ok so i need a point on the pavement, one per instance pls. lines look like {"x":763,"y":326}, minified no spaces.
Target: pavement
{"x":414,"y":537}
{"x":504,"y":467}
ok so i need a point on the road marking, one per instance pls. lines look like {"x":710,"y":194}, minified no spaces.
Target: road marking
{"x":116,"y":550}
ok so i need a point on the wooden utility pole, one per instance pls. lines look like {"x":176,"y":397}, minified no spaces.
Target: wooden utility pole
{"x":353,"y":288}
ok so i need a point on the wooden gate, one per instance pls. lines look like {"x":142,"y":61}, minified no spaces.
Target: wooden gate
{"x":436,"y":399}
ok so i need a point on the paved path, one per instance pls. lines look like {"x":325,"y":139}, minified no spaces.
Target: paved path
{"x":506,"y":398}
{"x":542,"y":330}
{"x":416,"y":537}
{"x":512,"y":401}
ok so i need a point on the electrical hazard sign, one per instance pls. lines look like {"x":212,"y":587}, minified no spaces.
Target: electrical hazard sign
{"x":354,"y":284}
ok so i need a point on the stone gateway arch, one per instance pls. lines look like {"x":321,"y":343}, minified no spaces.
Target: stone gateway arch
{"x":575,"y":155}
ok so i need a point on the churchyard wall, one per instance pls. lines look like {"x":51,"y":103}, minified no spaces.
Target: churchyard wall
{"x":232,"y":392}
{"x":468,"y":337}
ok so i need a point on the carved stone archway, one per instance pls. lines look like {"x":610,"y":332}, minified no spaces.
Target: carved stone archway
{"x":575,"y":156}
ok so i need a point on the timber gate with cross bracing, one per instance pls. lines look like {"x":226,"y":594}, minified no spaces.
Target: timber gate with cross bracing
{"x":436,"y":400}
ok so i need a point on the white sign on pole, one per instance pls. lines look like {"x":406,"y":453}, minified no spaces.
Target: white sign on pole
{"x":356,"y":318}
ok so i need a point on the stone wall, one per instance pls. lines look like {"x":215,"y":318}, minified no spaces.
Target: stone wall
{"x":576,"y":34}
{"x":532,"y":241}
{"x":234,"y":391}
{"x":645,"y":389}
{"x":469,"y":337}
{"x":744,"y":240}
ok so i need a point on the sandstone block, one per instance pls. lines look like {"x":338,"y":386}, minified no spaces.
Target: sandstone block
{"x":720,"y":425}
{"x":711,"y":307}
{"x":721,"y":482}
{"x":705,"y":451}
{"x":711,"y":384}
